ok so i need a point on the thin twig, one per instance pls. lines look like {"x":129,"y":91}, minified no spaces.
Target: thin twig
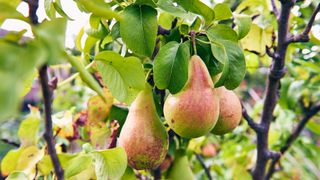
{"x":163,"y":31}
{"x":250,"y":121}
{"x":10,"y":142}
{"x":304,"y":36}
{"x":294,"y":135}
{"x":193,"y":38}
{"x":48,"y":135}
{"x":47,"y":95}
{"x":206,"y":169}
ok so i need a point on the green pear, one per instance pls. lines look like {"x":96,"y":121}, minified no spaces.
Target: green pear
{"x":143,"y":135}
{"x":194,"y":111}
{"x":180,"y":168}
{"x":230,"y":112}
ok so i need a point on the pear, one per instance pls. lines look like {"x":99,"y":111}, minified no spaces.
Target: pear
{"x":143,"y":135}
{"x":230,"y":112}
{"x":180,"y":168}
{"x":194,"y":111}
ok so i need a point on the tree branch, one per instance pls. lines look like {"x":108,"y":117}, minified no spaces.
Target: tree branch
{"x":294,"y":135}
{"x":206,"y":169}
{"x":10,"y":142}
{"x":250,"y":121}
{"x":304,"y":36}
{"x":47,"y":95}
{"x":163,"y":31}
{"x":48,"y":135}
{"x":271,"y":98}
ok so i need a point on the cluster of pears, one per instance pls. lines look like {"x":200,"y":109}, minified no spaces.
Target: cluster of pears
{"x":200,"y":108}
{"x":195,"y":111}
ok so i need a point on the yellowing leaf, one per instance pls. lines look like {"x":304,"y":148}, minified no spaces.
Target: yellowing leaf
{"x":9,"y":162}
{"x":17,"y":176}
{"x":29,"y":129}
{"x":257,"y":39}
{"x":23,"y":159}
{"x":98,"y":109}
{"x":29,"y":157}
{"x":99,"y":137}
{"x":63,"y":120}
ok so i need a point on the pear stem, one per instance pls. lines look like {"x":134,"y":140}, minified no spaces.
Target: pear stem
{"x":193,"y":38}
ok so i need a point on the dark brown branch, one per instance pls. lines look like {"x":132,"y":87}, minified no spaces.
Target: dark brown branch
{"x":250,"y":121}
{"x":47,"y":95}
{"x":294,"y":135}
{"x":10,"y":142}
{"x":48,"y":135}
{"x":163,"y":31}
{"x":269,"y":53}
{"x":275,"y":9}
{"x":206,"y":169}
{"x":304,"y":36}
{"x":271,"y":98}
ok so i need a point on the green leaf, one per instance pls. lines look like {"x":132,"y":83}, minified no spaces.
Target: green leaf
{"x":9,"y":12}
{"x":115,"y":31}
{"x":171,"y":67}
{"x":196,"y":24}
{"x":45,"y":164}
{"x":27,"y":83}
{"x":86,"y":76}
{"x":129,"y":174}
{"x":17,"y":176}
{"x":29,"y":129}
{"x":165,"y":20}
{"x":252,"y":62}
{"x":285,"y":84}
{"x":204,"y":51}
{"x":14,"y":70}
{"x":218,"y":51}
{"x":58,"y":7}
{"x":49,"y":8}
{"x":222,"y":32}
{"x":110,"y":163}
{"x":146,"y":2}
{"x":197,"y":7}
{"x":51,"y":35}
{"x":222,"y":11}
{"x":76,"y":165}
{"x":123,"y":76}
{"x":97,"y":29}
{"x":168,"y":6}
{"x":234,"y":69}
{"x":314,"y":127}
{"x":99,"y":8}
{"x":139,"y":28}
{"x":243,"y":23}
{"x":78,"y":39}
{"x":234,"y":66}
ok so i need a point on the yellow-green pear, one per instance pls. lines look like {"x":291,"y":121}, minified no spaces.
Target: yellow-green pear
{"x":180,"y":168}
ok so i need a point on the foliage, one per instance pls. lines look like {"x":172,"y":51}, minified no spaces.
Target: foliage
{"x":130,"y":42}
